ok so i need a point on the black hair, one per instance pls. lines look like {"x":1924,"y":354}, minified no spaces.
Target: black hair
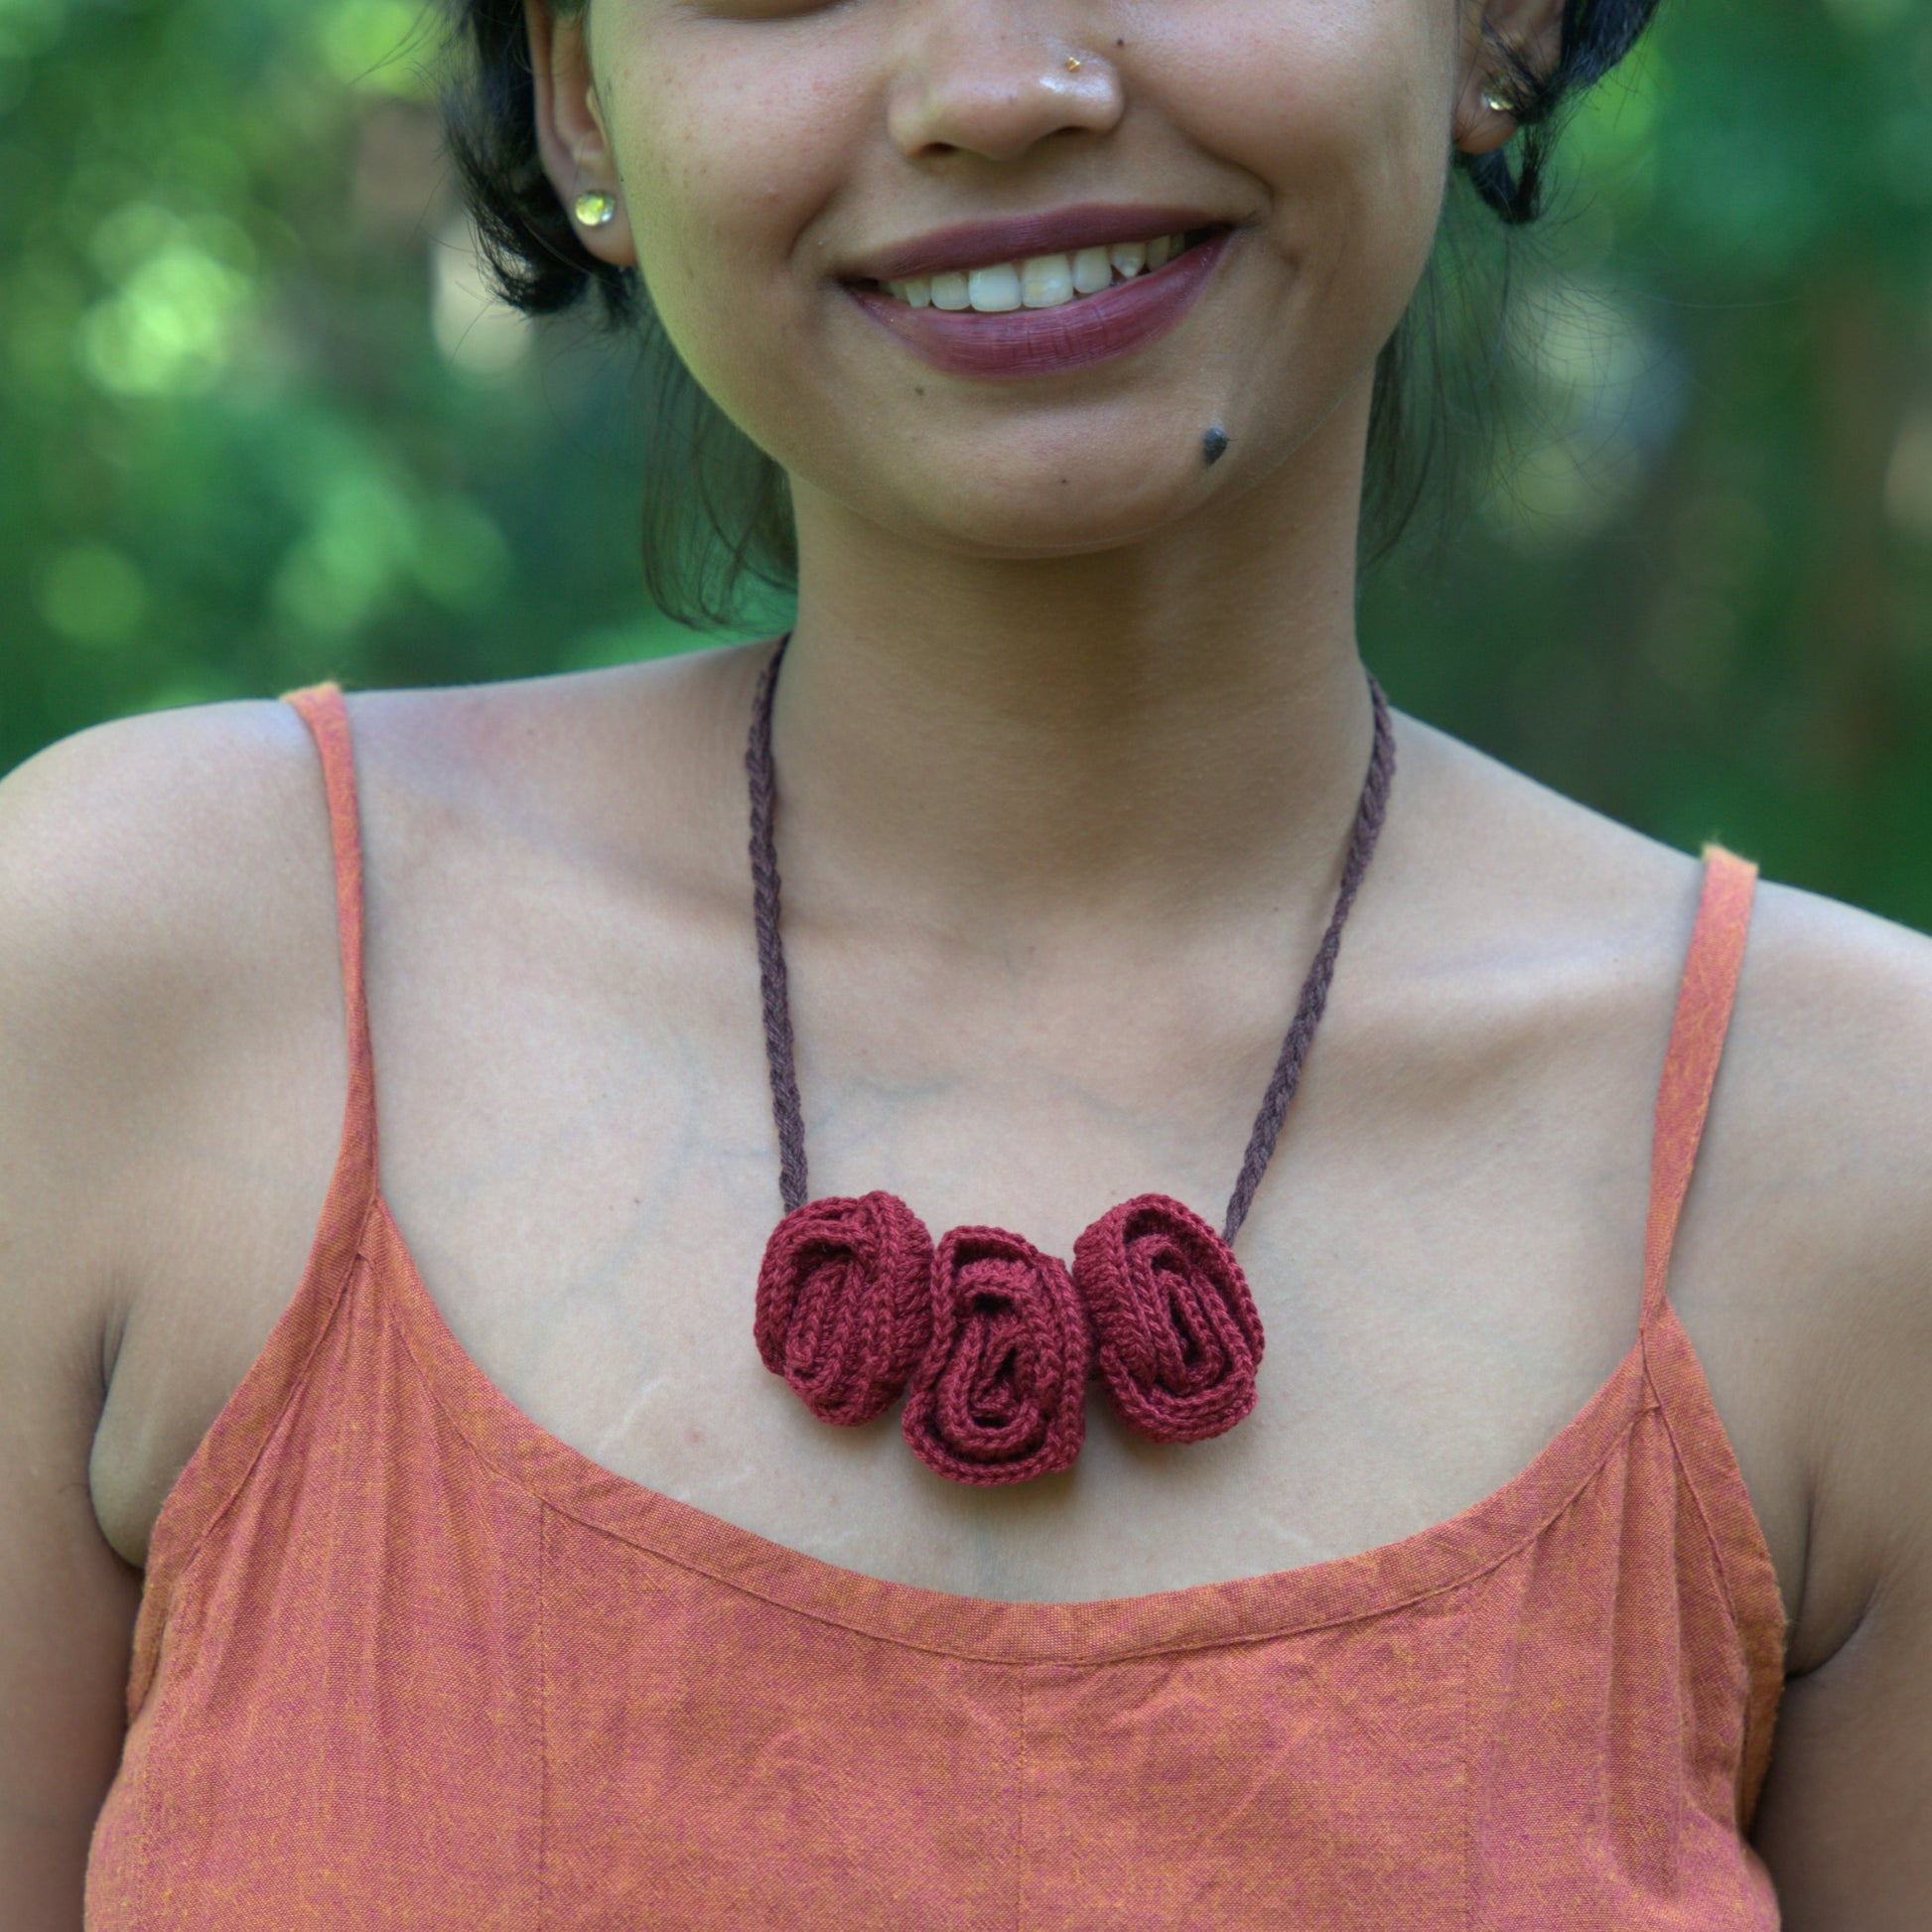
{"x":697,"y":567}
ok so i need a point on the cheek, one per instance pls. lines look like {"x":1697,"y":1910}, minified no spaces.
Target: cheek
{"x":728,"y":146}
{"x":1342,"y":109}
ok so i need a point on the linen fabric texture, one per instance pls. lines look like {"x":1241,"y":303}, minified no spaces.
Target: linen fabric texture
{"x":405,"y":1660}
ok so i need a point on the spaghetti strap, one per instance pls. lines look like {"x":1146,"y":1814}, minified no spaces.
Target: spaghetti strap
{"x":1696,"y":1043}
{"x":322,"y":709}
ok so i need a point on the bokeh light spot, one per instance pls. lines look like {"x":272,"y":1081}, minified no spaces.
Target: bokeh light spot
{"x":93,"y":593}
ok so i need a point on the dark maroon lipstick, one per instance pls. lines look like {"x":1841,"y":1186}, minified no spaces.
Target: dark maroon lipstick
{"x":1076,"y":335}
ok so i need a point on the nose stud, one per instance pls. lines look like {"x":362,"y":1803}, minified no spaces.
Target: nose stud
{"x":1072,"y":65}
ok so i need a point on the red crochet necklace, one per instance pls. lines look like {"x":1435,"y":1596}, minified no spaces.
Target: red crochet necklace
{"x":992,"y":1341}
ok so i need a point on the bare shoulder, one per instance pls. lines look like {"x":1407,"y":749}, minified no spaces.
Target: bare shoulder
{"x":1825,"y":1157}
{"x":165,"y":910}
{"x":150,"y":921}
{"x":157,"y":881}
{"x":175,"y":792}
{"x":1834,"y":1012}
{"x":636,"y":760}
{"x":1833,"y":1032}
{"x":1825,"y":1149}
{"x":170,"y":980}
{"x":173,"y":1051}
{"x":1805,"y":1255}
{"x":170,"y":1047}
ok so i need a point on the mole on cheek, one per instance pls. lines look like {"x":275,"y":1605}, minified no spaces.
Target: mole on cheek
{"x":1214,"y":445}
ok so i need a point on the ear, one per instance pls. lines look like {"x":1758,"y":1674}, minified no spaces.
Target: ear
{"x":1492,"y":31}
{"x":571,"y":136}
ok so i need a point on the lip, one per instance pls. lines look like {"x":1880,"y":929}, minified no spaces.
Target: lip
{"x":1054,"y":231}
{"x":1051,"y":342}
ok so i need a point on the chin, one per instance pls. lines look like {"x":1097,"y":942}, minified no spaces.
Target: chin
{"x":1101,"y":502}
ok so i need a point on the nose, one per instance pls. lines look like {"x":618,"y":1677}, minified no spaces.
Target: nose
{"x":993,"y":79}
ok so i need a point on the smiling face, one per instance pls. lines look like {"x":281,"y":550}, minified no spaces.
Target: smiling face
{"x":779,"y":160}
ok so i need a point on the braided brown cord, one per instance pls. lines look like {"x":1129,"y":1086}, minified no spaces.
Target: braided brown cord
{"x":1369,"y":814}
{"x":772,"y":983}
{"x":786,"y":1110}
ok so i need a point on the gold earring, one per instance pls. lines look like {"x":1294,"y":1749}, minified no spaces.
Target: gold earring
{"x":1072,"y":65}
{"x":596,"y":209}
{"x":1500,"y":97}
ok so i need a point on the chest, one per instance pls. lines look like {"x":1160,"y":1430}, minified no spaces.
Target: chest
{"x":1444,"y":1254}
{"x":653,"y":1716}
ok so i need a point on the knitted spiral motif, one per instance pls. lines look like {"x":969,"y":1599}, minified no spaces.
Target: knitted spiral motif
{"x":1177,"y":1335}
{"x":845,"y":1303}
{"x":1001,"y":1395}
{"x":998,"y":1339}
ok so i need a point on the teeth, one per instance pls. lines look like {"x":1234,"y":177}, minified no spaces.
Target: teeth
{"x":1092,"y":271}
{"x":1047,"y":281}
{"x":1041,"y":282}
{"x":994,"y":291}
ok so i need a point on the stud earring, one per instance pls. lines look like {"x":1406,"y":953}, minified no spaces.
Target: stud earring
{"x":1500,"y":97}
{"x":596,"y":209}
{"x":1072,"y":65}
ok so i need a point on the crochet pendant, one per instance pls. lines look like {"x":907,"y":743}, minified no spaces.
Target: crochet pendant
{"x":991,"y":1341}
{"x":995,"y":1342}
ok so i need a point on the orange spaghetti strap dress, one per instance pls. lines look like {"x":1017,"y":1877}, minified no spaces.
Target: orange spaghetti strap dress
{"x":404,"y":1659}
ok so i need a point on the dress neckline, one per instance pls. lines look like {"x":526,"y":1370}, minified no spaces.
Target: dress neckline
{"x":1654,"y":1404}
{"x":1373,"y":1583}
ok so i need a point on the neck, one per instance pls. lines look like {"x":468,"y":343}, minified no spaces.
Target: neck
{"x":1172,"y":726}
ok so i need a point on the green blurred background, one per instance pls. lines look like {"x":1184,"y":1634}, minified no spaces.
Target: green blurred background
{"x":259,"y":423}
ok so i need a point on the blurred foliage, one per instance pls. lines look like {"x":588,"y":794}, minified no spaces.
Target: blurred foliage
{"x":259,"y":423}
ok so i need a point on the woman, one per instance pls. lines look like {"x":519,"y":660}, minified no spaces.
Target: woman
{"x":502,"y":1576}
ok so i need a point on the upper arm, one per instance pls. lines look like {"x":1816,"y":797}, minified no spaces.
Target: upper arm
{"x":1846,"y":1825}
{"x":66,"y":1602}
{"x":1846,"y":1820}
{"x":125,"y":930}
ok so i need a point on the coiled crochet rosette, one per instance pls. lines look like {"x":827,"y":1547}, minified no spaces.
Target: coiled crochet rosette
{"x":845,"y":1303}
{"x":1177,"y":1336}
{"x":1001,"y":1394}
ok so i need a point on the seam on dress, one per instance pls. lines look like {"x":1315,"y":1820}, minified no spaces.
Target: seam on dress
{"x":1237,"y":1641}
{"x":1689,"y":1479}
{"x":1469,"y":1785}
{"x":1020,"y":1806}
{"x":1748,"y":1735}
{"x":149,"y":1878}
{"x":1447,"y":1588}
{"x":298,"y":1382}
{"x":543,"y":1713}
{"x":145,"y":1793}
